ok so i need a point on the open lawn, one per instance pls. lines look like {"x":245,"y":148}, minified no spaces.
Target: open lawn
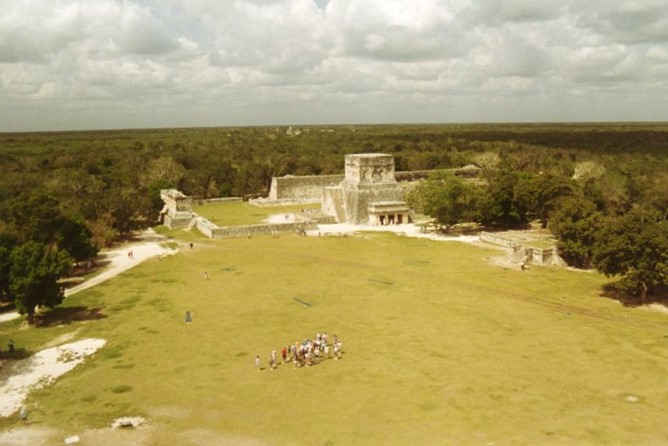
{"x":242,"y":213}
{"x":441,"y":347}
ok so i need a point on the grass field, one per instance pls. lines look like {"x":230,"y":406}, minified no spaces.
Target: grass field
{"x":441,"y":347}
{"x":242,"y":213}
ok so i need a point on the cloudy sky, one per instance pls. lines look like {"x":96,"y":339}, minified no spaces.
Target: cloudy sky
{"x":90,"y":64}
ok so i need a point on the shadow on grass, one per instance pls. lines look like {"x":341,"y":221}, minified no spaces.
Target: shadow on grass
{"x":67,"y":315}
{"x":6,"y":307}
{"x":17,"y":353}
{"x":610,"y":291}
{"x":89,"y":267}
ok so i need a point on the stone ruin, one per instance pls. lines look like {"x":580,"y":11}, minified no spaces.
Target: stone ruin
{"x":177,"y":211}
{"x":527,"y":247}
{"x":369,"y":193}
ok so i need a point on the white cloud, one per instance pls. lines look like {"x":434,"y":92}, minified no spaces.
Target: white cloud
{"x":495,"y":12}
{"x":630,"y":22}
{"x":328,"y":61}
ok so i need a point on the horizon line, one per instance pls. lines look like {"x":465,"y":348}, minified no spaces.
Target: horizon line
{"x":369,"y":124}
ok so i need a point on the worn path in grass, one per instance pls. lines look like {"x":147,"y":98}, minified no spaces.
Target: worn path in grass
{"x":145,"y":246}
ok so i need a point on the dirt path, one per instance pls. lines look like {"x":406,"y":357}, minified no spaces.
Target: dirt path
{"x":145,"y":246}
{"x":148,"y":245}
{"x":48,"y":364}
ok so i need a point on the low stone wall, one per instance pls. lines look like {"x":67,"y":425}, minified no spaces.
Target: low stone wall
{"x":546,"y":257}
{"x":205,"y":226}
{"x":325,"y":220}
{"x":409,"y":176}
{"x":219,"y":200}
{"x":266,"y":202}
{"x":524,"y":252}
{"x":413,"y":175}
{"x":498,"y":240}
{"x":250,"y":230}
{"x":214,"y":231}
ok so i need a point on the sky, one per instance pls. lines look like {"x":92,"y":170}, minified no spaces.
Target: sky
{"x":104,"y":64}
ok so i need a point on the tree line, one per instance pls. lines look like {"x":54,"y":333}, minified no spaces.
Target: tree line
{"x":38,"y":246}
{"x":65,"y":195}
{"x":608,"y":216}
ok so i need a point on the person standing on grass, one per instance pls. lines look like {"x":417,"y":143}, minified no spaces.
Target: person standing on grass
{"x":337,"y":349}
{"x":284,"y":353}
{"x":257,"y":362}
{"x":273,"y":359}
{"x":294,"y":354}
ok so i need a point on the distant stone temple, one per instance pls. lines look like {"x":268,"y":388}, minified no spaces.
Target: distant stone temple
{"x":177,"y":211}
{"x":369,"y":193}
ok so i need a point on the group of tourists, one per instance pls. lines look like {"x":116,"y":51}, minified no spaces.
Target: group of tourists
{"x":306,"y":353}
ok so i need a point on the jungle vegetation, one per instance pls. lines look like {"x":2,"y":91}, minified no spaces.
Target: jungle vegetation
{"x":601,"y":188}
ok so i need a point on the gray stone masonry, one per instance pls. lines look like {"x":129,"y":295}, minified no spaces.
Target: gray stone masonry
{"x":369,"y":178}
{"x":177,"y":212}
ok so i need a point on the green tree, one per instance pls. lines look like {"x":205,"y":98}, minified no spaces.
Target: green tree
{"x":593,"y":191}
{"x":634,"y":247}
{"x":655,"y":196}
{"x":446,"y":198}
{"x":154,"y":194}
{"x":74,"y":237}
{"x":34,"y":274}
{"x":161,"y":170}
{"x":498,"y":205}
{"x":39,"y":218}
{"x":128,"y":210}
{"x":540,"y":194}
{"x":575,"y":222}
{"x":611,"y":191}
{"x":7,"y":244}
{"x":36,"y":217}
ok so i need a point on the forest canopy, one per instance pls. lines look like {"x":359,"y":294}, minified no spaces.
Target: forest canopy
{"x":575,"y":178}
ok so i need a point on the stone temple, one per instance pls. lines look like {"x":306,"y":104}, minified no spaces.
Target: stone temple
{"x":177,"y":212}
{"x":369,"y":193}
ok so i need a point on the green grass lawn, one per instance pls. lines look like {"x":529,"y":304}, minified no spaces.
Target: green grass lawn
{"x":441,"y":347}
{"x":242,"y":213}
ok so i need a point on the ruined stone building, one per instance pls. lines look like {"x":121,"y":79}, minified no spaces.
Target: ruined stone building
{"x":177,"y":211}
{"x":369,"y":193}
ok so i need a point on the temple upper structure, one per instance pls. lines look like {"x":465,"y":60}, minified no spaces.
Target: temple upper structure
{"x":177,"y":212}
{"x":369,"y":193}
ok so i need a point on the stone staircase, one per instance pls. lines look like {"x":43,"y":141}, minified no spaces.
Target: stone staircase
{"x":192,"y":223}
